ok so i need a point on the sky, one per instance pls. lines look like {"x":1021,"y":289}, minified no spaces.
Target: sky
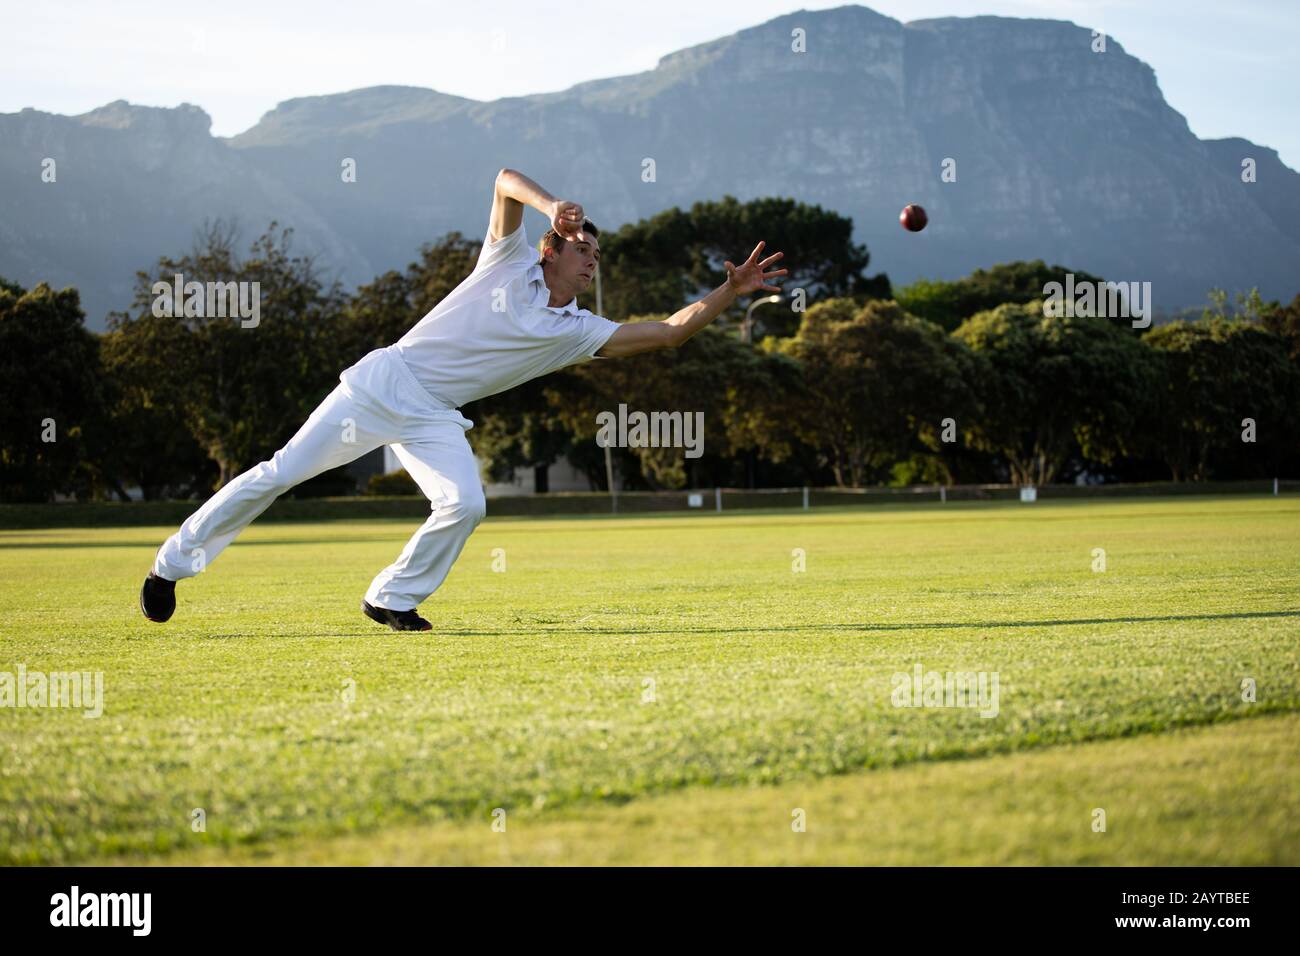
{"x":1229,"y":66}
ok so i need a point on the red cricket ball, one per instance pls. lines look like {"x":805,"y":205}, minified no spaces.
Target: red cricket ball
{"x":913,"y":218}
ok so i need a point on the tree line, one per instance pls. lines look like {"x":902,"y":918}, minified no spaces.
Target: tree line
{"x":846,"y":381}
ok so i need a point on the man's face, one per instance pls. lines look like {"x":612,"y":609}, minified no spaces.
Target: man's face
{"x":576,"y":261}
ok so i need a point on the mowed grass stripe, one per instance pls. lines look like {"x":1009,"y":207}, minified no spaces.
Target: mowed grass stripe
{"x":532,"y":695}
{"x":1227,"y":795}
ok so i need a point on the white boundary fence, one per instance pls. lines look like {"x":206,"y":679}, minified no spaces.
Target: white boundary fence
{"x":595,"y":503}
{"x":715,"y":500}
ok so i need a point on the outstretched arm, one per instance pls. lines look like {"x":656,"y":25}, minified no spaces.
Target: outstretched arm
{"x":513,"y":191}
{"x":673,"y":331}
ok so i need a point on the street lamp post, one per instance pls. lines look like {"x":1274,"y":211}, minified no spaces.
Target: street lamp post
{"x":609,"y":458}
{"x":747,"y":336}
{"x":746,"y":327}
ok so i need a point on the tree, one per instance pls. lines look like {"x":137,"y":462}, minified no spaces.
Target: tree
{"x":1284,"y":322}
{"x":147,"y":363}
{"x":243,"y":389}
{"x":658,"y":265}
{"x":51,"y":403}
{"x":1215,"y":374}
{"x":948,"y":304}
{"x":875,"y":381}
{"x":1250,"y":306}
{"x":1049,"y":384}
{"x":731,"y":384}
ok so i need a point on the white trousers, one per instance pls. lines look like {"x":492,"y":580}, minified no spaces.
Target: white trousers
{"x":378,"y":402}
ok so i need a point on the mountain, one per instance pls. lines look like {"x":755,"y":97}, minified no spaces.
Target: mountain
{"x":1061,"y":153}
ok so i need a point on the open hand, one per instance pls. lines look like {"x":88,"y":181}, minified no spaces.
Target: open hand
{"x":749,"y":276}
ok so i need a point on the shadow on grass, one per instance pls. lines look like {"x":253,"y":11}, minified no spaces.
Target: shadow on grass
{"x":931,"y":626}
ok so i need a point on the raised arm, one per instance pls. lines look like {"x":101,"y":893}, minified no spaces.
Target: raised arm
{"x":673,"y":331}
{"x":513,"y":191}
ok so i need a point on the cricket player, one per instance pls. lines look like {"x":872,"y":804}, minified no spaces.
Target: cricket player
{"x":513,"y":319}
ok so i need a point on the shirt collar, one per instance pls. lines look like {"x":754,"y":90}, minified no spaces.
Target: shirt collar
{"x":542,"y":295}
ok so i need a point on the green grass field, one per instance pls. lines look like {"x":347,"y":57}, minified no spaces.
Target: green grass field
{"x":669,"y":690}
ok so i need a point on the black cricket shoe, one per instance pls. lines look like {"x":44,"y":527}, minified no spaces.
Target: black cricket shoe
{"x":158,"y":598}
{"x":397,"y":620}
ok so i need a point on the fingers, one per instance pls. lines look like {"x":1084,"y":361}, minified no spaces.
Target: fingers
{"x":566,"y":227}
{"x":763,"y":278}
{"x":568,"y":220}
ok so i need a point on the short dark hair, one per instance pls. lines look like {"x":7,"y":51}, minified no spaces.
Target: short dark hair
{"x":552,"y":239}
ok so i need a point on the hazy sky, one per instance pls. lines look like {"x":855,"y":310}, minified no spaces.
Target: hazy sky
{"x":1229,"y":66}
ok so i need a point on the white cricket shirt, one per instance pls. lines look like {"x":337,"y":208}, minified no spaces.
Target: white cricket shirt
{"x":495,"y":330}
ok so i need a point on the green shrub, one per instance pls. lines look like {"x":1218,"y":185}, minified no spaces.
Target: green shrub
{"x":393,"y":483}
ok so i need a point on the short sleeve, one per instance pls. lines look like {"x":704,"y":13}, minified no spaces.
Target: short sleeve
{"x":592,"y":332}
{"x":511,"y":250}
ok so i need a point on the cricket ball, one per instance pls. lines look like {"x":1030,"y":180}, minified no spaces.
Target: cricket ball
{"x":913,"y":218}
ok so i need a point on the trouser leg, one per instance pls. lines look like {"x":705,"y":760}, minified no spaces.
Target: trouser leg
{"x":444,"y":468}
{"x":340,"y":430}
